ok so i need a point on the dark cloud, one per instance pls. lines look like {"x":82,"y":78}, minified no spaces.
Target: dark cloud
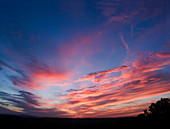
{"x":2,"y":63}
{"x":29,"y":97}
{"x":99,"y":76}
{"x":73,"y":102}
{"x":74,"y":90}
{"x":90,"y":98}
{"x":164,"y":54}
{"x":7,"y":111}
{"x":3,"y":94}
{"x":27,"y":102}
{"x":105,"y":101}
{"x":19,"y":80}
{"x":21,"y":100}
{"x":131,"y":83}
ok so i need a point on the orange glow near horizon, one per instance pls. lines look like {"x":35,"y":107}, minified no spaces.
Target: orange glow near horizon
{"x":83,"y":58}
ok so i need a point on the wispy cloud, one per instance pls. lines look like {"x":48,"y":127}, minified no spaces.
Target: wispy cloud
{"x":126,"y":11}
{"x":4,"y":64}
{"x":132,"y":84}
{"x":124,"y":42}
{"x":102,"y":74}
{"x":27,"y":103}
{"x":40,"y":77}
{"x":66,"y":66}
{"x":78,"y":50}
{"x":122,"y":85}
{"x":35,"y":74}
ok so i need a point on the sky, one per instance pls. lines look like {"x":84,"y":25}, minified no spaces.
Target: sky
{"x":83,"y":58}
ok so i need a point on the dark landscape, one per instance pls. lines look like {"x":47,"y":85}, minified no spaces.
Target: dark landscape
{"x":82,"y":123}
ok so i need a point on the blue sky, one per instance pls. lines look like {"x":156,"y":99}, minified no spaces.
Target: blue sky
{"x":60,"y":56}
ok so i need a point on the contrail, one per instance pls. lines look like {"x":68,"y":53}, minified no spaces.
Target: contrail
{"x":123,"y":41}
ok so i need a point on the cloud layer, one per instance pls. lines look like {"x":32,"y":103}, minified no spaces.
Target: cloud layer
{"x":112,"y":92}
{"x":142,"y":80}
{"x":85,"y":59}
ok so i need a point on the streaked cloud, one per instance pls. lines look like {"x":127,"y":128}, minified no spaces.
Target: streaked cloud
{"x":85,"y":59}
{"x":98,"y":75}
{"x":141,"y":81}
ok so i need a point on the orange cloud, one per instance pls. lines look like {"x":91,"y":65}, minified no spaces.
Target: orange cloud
{"x":143,"y":78}
{"x":138,"y":82}
{"x":42,"y":78}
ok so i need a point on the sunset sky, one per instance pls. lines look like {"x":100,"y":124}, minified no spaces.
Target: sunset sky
{"x":83,"y":58}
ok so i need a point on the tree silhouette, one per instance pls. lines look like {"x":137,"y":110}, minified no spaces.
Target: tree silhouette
{"x":158,"y":110}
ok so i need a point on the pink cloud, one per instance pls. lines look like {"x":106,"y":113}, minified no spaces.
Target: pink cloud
{"x":164,"y":54}
{"x":139,"y":11}
{"x":77,"y":51}
{"x":140,"y":81}
{"x":123,"y":18}
{"x":40,"y":77}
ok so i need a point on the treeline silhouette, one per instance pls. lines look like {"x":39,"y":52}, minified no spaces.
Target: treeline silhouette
{"x":156,"y":116}
{"x":160,"y":109}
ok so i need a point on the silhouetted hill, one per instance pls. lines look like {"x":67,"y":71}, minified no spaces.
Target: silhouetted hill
{"x":86,"y":123}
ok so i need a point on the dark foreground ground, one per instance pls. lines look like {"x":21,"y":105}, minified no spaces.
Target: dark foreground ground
{"x":63,"y":123}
